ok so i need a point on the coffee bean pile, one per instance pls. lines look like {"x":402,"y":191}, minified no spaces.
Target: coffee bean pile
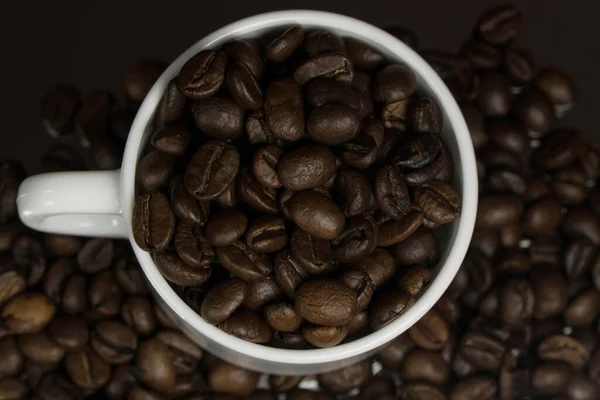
{"x":286,"y":181}
{"x":519,"y":322}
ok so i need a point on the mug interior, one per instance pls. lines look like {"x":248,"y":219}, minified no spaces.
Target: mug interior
{"x":454,"y":238}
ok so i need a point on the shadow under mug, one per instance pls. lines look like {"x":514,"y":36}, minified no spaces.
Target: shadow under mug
{"x":101,"y":203}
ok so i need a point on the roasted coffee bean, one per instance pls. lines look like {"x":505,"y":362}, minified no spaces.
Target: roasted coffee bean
{"x":345,"y":379}
{"x":421,"y":391}
{"x":175,"y":270}
{"x":114,"y":342}
{"x":512,"y":259}
{"x":325,"y":65}
{"x":192,"y":246}
{"x":520,"y":64}
{"x":284,"y":45}
{"x":500,"y":24}
{"x":419,"y":248}
{"x":282,"y":317}
{"x":478,"y":387}
{"x":258,"y":197}
{"x":542,"y":216}
{"x":93,"y":116}
{"x":504,"y":179}
{"x":394,"y":83}
{"x":140,"y":393}
{"x":13,"y":358}
{"x":231,"y":379}
{"x":172,"y":106}
{"x":483,"y":351}
{"x":185,"y":206}
{"x":333,"y":124}
{"x":394,"y":114}
{"x":155,"y":366}
{"x":289,"y":340}
{"x":551,"y":378}
{"x":361,"y":152}
{"x":203,"y":74}
{"x":508,"y":135}
{"x":87,"y":369}
{"x":153,"y":222}
{"x":247,"y":325}
{"x":219,"y":117}
{"x":306,"y":167}
{"x":583,"y":309}
{"x":481,"y":55}
{"x":580,"y":254}
{"x":265,"y":165}
{"x":325,"y":302}
{"x":322,"y":41}
{"x":559,"y":149}
{"x":582,"y":222}
{"x":517,"y":301}
{"x":130,"y":277}
{"x":379,"y":266}
{"x":226,"y":227}
{"x":497,"y":211}
{"x":211,"y":170}
{"x":29,"y":257}
{"x":427,"y":366}
{"x":494,"y":156}
{"x":246,"y":53}
{"x":284,"y":111}
{"x":323,"y":91}
{"x":40,"y":348}
{"x":393,"y":354}
{"x":392,"y":231}
{"x":570,"y":186}
{"x":227,"y":199}
{"x":243,"y":262}
{"x":362,"y":284}
{"x":313,"y":255}
{"x":266,"y":234}
{"x":138,"y":314}
{"x":122,"y":381}
{"x":387,"y":307}
{"x":425,"y":116}
{"x":439,"y":202}
{"x":362,"y":55}
{"x":557,"y":86}
{"x":95,"y":255}
{"x":61,"y":245}
{"x":284,"y":383}
{"x":244,"y":86}
{"x":172,"y":140}
{"x":11,"y":282}
{"x":185,"y":353}
{"x":155,"y":170}
{"x":27,"y":313}
{"x":139,"y":78}
{"x":391,"y":192}
{"x":414,"y":280}
{"x":353,"y":192}
{"x":534,"y":110}
{"x":359,"y":325}
{"x":222,"y":300}
{"x":64,"y":287}
{"x":431,"y":332}
{"x":416,"y":151}
{"x":358,"y":239}
{"x":105,"y":295}
{"x":580,"y":387}
{"x":324,"y":336}
{"x":563,"y":348}
{"x":316,"y":214}
{"x":494,"y":99}
{"x":288,"y":272}
{"x":13,"y":389}
{"x":476,"y":124}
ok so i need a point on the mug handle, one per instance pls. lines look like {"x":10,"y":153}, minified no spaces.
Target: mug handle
{"x":74,"y":203}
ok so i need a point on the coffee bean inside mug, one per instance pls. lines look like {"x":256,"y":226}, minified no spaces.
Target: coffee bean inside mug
{"x":269,"y":172}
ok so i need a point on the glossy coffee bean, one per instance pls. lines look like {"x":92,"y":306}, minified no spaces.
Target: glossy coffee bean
{"x":345,"y":379}
{"x":222,"y":300}
{"x":203,"y":74}
{"x":192,"y":245}
{"x":427,"y":366}
{"x":306,"y":167}
{"x":323,"y":91}
{"x":379,"y":266}
{"x":230,"y":379}
{"x":155,"y":365}
{"x":419,"y":248}
{"x":421,"y":391}
{"x":153,"y":222}
{"x":313,"y":255}
{"x":40,"y":348}
{"x":258,"y":197}
{"x":95,"y":255}
{"x":534,"y":110}
{"x":478,"y":387}
{"x":87,"y":369}
{"x":565,"y":349}
{"x":387,"y":307}
{"x":27,"y":313}
{"x":414,"y":279}
{"x":353,"y":192}
{"x":431,"y":332}
{"x":483,"y":351}
{"x":494,"y":99}
{"x":185,"y":206}
{"x":325,"y":302}
{"x":316,"y":214}
{"x":580,"y":387}
{"x":266,"y":234}
{"x":114,"y":342}
{"x":70,"y":332}
{"x":557,"y":86}
{"x":185,"y":353}
{"x":569,"y":185}
{"x":582,"y":222}
{"x":333,"y":124}
{"x":497,"y":211}
{"x":212,"y":168}
{"x":282,"y":317}
{"x":62,"y":245}
{"x":322,"y":41}
{"x":138,"y":314}
{"x":172,"y":106}
{"x":325,"y":65}
{"x":122,"y":381}
{"x":175,"y":270}
{"x":481,"y":55}
{"x":243,"y":86}
{"x":155,"y":170}
{"x":283,"y":109}
{"x":13,"y":357}
{"x":172,"y":140}
{"x":29,"y":257}
{"x":243,"y":262}
{"x":361,"y":152}
{"x":559,"y":149}
{"x":583,"y":309}
{"x":439,"y":202}
{"x":358,"y":239}
{"x":394,"y":83}
{"x":247,"y":53}
{"x":324,"y":336}
{"x":517,"y":301}
{"x":579,"y":256}
{"x":500,"y":24}
{"x":247,"y":325}
{"x":392,"y":231}
{"x":265,"y":164}
{"x":391,"y":192}
{"x":219,"y":117}
{"x":520,"y":64}
{"x":363,"y":286}
{"x":226,"y":227}
{"x":551,"y":378}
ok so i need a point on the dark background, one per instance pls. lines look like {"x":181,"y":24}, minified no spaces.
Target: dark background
{"x":91,"y":43}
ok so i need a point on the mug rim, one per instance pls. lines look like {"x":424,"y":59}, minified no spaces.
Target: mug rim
{"x":468,"y":170}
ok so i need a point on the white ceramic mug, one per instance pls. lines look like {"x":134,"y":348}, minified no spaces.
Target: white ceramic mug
{"x":101,"y":203}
